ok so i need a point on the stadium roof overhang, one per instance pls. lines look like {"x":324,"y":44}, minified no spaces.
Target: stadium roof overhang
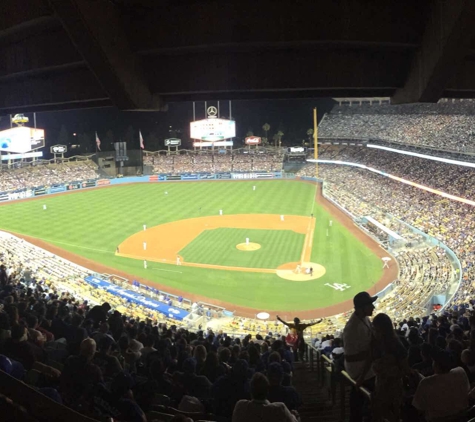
{"x":142,"y":54}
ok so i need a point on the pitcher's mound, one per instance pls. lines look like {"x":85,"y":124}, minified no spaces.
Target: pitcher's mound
{"x":248,"y":246}
{"x":290,"y":271}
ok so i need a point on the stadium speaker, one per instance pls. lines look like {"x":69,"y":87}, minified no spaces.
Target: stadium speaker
{"x":121,"y":151}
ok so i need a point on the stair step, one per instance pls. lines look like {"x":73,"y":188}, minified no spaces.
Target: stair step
{"x":317,"y":404}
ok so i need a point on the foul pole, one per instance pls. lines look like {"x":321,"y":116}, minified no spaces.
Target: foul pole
{"x":315,"y":140}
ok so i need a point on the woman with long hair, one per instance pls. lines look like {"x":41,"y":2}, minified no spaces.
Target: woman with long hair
{"x":390,"y":366}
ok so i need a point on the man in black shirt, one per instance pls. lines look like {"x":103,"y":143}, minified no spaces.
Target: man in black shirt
{"x":99,"y":313}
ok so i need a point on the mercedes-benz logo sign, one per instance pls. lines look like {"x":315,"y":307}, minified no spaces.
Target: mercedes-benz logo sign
{"x":212,"y":111}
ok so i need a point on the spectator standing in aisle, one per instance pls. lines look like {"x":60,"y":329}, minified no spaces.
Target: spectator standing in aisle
{"x":357,"y":338}
{"x":297,"y":329}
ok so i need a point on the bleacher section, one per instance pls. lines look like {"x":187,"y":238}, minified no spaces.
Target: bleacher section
{"x":208,"y":162}
{"x":447,"y":125}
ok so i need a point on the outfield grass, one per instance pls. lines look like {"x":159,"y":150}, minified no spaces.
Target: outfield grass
{"x":92,"y":223}
{"x":277,"y":248}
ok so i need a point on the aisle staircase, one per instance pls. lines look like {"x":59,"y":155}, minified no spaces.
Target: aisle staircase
{"x":322,"y":399}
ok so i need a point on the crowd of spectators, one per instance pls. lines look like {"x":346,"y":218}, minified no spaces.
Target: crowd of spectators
{"x":451,"y":178}
{"x":40,"y":174}
{"x":451,"y":222}
{"x":417,"y":369}
{"x":208,"y":162}
{"x":447,"y":125}
{"x":104,"y":363}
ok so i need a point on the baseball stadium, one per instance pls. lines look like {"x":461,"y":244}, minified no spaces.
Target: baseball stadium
{"x":237,"y":212}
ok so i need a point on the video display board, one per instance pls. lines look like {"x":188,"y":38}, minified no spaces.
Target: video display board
{"x":21,"y":139}
{"x":213,"y":129}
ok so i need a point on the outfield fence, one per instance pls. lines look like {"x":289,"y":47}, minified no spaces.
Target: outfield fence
{"x":37,"y":191}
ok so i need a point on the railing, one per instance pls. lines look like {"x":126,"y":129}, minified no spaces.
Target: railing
{"x":326,"y":369}
{"x":38,"y":405}
{"x":42,"y":162}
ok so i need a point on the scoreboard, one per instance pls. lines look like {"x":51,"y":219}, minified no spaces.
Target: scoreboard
{"x":213,"y":129}
{"x":21,"y":139}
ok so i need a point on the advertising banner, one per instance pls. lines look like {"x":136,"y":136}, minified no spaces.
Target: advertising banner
{"x":206,"y":176}
{"x":58,"y":149}
{"x":40,"y":191}
{"x":189,"y":177}
{"x":244,"y":176}
{"x":169,"y":311}
{"x":157,"y":178}
{"x":297,"y":150}
{"x":211,"y":144}
{"x":172,"y":142}
{"x":253,"y":140}
{"x":4,"y":196}
{"x":57,"y":188}
{"x":20,"y":194}
{"x":173,"y":177}
{"x":103,"y":182}
{"x":89,"y":183}
{"x":74,"y":186}
{"x":223,"y":175}
{"x":239,"y":176}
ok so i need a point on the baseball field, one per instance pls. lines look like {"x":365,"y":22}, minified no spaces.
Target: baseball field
{"x":273,"y":246}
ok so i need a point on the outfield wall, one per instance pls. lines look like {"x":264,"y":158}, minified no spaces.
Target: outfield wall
{"x":94,"y":183}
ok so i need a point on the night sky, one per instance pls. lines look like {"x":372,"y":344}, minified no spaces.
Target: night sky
{"x":293,"y":117}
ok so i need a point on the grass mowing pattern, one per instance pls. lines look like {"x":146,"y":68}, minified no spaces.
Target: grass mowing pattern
{"x":218,"y":247}
{"x":92,"y":223}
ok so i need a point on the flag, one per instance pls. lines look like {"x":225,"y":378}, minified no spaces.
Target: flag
{"x":141,"y":140}
{"x":98,"y":142}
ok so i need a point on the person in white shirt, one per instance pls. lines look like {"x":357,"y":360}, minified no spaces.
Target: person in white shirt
{"x":259,"y":409}
{"x":338,"y":349}
{"x":327,"y":342}
{"x":445,"y":393}
{"x":357,"y":337}
{"x":316,"y":343}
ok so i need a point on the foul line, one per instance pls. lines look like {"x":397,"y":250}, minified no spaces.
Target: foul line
{"x":170,"y":271}
{"x":308,"y":243}
{"x":69,"y":244}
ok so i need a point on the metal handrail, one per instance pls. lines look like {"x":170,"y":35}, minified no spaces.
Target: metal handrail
{"x":365,"y":391}
{"x":318,"y":359}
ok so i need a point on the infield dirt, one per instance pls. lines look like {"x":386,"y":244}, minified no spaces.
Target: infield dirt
{"x":164,"y":242}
